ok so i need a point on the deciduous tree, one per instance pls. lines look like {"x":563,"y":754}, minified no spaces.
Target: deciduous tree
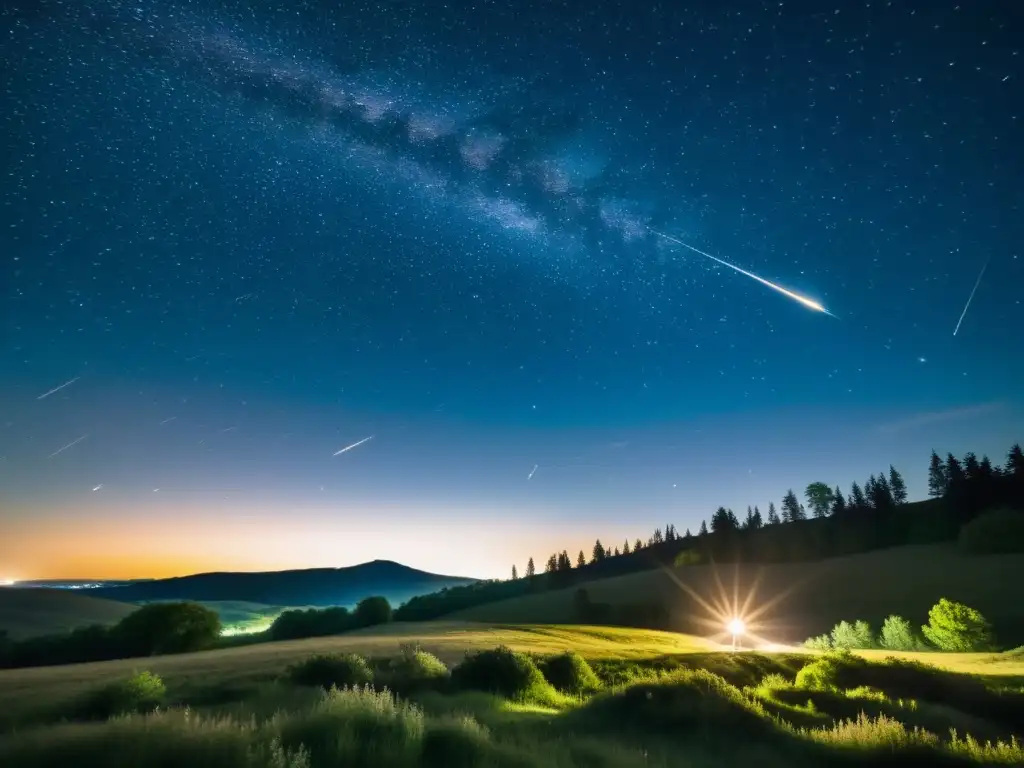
{"x":819,"y":499}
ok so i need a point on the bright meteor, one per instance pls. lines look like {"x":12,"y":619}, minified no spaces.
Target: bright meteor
{"x":809,"y":303}
{"x":354,"y":445}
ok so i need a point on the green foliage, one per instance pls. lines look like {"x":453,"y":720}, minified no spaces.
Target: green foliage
{"x":570,"y":673}
{"x":688,"y":557}
{"x":160,"y":628}
{"x":956,"y":627}
{"x":823,"y":674}
{"x":314,"y":622}
{"x":142,"y":692}
{"x":501,"y":671}
{"x":332,"y":671}
{"x":371,"y":611}
{"x":998,"y":532}
{"x":819,"y":643}
{"x":856,"y":635}
{"x":898,"y":635}
{"x":414,"y":670}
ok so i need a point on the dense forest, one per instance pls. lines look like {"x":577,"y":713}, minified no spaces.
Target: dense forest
{"x":872,"y":515}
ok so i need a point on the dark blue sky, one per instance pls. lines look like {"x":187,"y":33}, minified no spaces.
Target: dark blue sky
{"x":252,"y":237}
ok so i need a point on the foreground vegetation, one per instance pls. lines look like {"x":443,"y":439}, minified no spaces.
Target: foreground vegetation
{"x":614,"y":704}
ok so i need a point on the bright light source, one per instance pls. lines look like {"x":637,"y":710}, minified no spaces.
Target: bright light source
{"x":7,"y":582}
{"x":736,"y":627}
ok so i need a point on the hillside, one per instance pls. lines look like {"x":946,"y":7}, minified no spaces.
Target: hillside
{"x":809,"y":598}
{"x":310,"y":587}
{"x":31,"y":612}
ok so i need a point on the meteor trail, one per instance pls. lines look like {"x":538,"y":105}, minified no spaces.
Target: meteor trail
{"x":58,"y":389}
{"x":809,"y":303}
{"x":354,"y":445}
{"x":532,"y":471}
{"x":971,"y":297}
{"x":61,"y":450}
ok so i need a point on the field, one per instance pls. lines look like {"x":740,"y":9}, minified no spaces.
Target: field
{"x":804,"y":599}
{"x":30,"y":612}
{"x":654,"y":699}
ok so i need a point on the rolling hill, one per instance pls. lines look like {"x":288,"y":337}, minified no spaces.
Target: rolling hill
{"x":30,"y":612}
{"x":800,"y":599}
{"x":310,"y":587}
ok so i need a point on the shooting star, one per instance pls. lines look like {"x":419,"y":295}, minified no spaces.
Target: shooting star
{"x":61,"y":450}
{"x":58,"y":389}
{"x":532,"y":471}
{"x":809,"y":303}
{"x":971,"y":297}
{"x":98,"y":487}
{"x":354,"y":445}
{"x":166,"y":421}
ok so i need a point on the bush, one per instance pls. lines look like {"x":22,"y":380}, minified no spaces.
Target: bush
{"x":998,"y":532}
{"x":819,"y":643}
{"x":897,"y":635}
{"x":570,"y":673}
{"x":501,"y":671}
{"x":295,"y":624}
{"x":825,"y":674}
{"x":141,"y":693}
{"x":342,"y":670}
{"x":160,"y":628}
{"x":371,"y":611}
{"x":856,"y":635}
{"x":956,"y":627}
{"x":415,"y":670}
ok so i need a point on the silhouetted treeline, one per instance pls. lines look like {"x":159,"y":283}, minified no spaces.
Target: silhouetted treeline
{"x":152,"y":630}
{"x":318,"y":622}
{"x":870,"y":515}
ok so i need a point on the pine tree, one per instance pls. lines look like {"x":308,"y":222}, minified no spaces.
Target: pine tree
{"x":723,"y":521}
{"x":972,"y":468}
{"x":791,"y":508}
{"x":581,"y":559}
{"x":657,"y":538}
{"x":638,"y":545}
{"x":748,"y":522}
{"x":938,"y":480}
{"x":616,"y":553}
{"x":734,"y":521}
{"x":515,"y":573}
{"x":1015,"y":461}
{"x":530,"y":570}
{"x":857,"y":501}
{"x":703,"y":529}
{"x":552,"y":564}
{"x":986,"y":469}
{"x":773,"y":516}
{"x":564,"y":563}
{"x":838,"y":502}
{"x":882,"y":496}
{"x":625,"y":547}
{"x":757,"y":519}
{"x":869,"y":492}
{"x":687,"y":535}
{"x":897,"y":486}
{"x":954,"y":471}
{"x":598,"y":553}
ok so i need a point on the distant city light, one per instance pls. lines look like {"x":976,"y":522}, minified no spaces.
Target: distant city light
{"x":7,"y":582}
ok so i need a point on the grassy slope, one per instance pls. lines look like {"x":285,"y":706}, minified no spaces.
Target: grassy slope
{"x":29,"y":612}
{"x":24,"y":692}
{"x":809,"y":597}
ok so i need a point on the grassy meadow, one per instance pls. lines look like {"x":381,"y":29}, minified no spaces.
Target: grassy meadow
{"x":799,"y":600}
{"x":621,"y":698}
{"x":31,"y":612}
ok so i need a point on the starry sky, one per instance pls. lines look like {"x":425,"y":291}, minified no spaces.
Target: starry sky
{"x":237,"y":238}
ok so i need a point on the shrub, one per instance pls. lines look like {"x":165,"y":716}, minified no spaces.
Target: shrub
{"x":141,"y":693}
{"x":897,"y":635}
{"x":340,"y":670}
{"x":371,"y":611}
{"x":956,"y":627}
{"x":856,"y":635}
{"x":570,"y":673}
{"x":160,"y":628}
{"x":502,"y":671}
{"x":819,"y":643}
{"x":295,"y":624}
{"x":825,"y":673}
{"x":456,"y":743}
{"x":997,"y":532}
{"x":415,"y":670}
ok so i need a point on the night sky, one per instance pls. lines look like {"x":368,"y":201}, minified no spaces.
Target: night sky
{"x":251,"y":235}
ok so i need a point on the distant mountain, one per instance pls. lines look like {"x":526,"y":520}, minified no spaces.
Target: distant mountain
{"x":315,"y":586}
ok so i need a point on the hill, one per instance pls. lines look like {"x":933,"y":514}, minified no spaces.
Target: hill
{"x":309,"y":587}
{"x":798,"y":600}
{"x":30,"y":612}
